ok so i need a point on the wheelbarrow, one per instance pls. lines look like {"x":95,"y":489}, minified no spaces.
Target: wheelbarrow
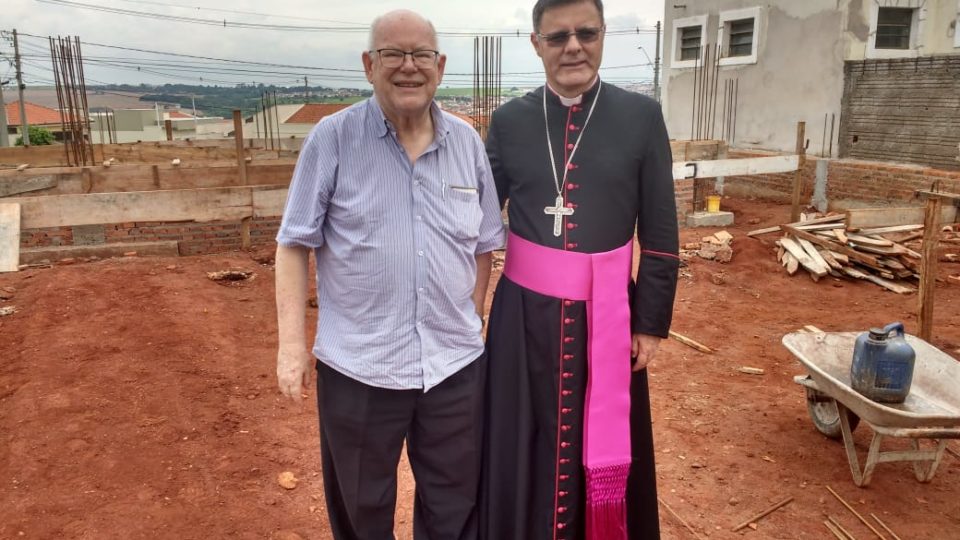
{"x":931,"y":411}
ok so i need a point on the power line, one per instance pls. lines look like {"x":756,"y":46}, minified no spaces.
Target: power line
{"x":295,"y":28}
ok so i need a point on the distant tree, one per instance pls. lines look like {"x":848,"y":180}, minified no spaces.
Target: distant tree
{"x":38,"y":137}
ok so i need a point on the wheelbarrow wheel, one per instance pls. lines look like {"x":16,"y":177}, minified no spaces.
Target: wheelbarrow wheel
{"x":826,"y":417}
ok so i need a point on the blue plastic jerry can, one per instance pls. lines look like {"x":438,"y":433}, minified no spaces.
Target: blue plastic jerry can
{"x":882,"y":368}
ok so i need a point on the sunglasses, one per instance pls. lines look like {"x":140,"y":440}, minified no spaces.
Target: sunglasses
{"x":584,"y":35}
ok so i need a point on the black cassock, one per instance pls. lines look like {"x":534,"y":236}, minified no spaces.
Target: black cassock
{"x":620,"y":181}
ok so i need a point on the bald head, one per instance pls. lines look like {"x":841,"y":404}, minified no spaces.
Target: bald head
{"x":401,"y":20}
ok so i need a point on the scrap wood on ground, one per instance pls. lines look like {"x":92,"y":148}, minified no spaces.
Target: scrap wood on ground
{"x":835,"y":245}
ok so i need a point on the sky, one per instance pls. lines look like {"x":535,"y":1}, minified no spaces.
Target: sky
{"x":329,"y":56}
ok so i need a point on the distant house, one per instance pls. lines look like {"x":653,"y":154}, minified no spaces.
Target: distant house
{"x":37,"y":116}
{"x":872,"y":79}
{"x":289,"y":121}
{"x":132,"y":125}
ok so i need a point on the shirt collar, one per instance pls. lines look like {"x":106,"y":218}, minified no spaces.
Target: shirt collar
{"x":381,"y":125}
{"x":577,"y":100}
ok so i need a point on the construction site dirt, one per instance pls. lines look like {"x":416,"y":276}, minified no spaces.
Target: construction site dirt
{"x":138,"y":399}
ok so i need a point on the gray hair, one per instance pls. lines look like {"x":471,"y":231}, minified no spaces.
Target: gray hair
{"x":372,"y":39}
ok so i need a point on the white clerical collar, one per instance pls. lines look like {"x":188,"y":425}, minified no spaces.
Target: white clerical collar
{"x":569,"y":102}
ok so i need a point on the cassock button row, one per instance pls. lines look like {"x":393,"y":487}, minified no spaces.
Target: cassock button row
{"x":571,"y":226}
{"x":565,"y":477}
{"x":570,"y":146}
{"x":572,"y":205}
{"x":562,"y":493}
{"x":564,"y":445}
{"x":568,"y":303}
{"x":566,"y":410}
{"x":567,"y":375}
{"x":565,"y":357}
{"x":565,"y":427}
{"x":572,"y":245}
{"x":568,"y":339}
{"x":568,"y":320}
{"x":566,"y":393}
{"x":573,"y":127}
{"x":561,"y":510}
{"x":561,"y":525}
{"x":564,"y":461}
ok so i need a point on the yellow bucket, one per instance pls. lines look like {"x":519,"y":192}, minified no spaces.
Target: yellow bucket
{"x":713,"y":203}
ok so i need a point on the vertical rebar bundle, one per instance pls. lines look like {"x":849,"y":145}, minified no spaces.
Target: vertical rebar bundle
{"x":487,"y":80}
{"x":72,"y":97}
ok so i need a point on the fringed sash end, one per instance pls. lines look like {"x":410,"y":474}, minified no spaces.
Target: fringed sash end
{"x":606,"y":502}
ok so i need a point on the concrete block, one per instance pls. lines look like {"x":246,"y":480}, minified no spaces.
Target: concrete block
{"x":710,"y":219}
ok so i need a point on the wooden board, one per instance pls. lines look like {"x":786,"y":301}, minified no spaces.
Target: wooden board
{"x":735,"y":167}
{"x":9,"y":237}
{"x":892,"y":216}
{"x":13,"y":185}
{"x":886,"y":284}
{"x":269,"y":202}
{"x":808,"y":262}
{"x":217,"y":204}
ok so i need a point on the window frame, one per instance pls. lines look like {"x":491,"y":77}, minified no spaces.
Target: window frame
{"x":956,"y":28}
{"x":680,"y":24}
{"x":917,"y":27}
{"x":724,"y":31}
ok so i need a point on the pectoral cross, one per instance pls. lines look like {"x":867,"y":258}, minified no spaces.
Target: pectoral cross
{"x":558,"y":211}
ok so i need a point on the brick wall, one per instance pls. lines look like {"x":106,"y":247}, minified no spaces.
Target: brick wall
{"x":905,"y":110}
{"x":192,"y":238}
{"x":847,"y":180}
{"x":684,"y":194}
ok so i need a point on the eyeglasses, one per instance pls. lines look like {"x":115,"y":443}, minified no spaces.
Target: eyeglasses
{"x":584,"y":35}
{"x":394,"y":58}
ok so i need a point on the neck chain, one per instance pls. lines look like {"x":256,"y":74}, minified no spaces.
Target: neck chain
{"x":558,"y":210}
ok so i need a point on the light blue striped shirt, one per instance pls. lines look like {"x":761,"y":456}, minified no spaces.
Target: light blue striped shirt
{"x":395,"y":245}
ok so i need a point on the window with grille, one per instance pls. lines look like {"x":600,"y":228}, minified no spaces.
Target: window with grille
{"x":741,"y":38}
{"x":893,"y":28}
{"x":690,"y":39}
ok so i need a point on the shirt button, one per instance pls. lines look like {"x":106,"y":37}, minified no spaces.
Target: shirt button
{"x":419,"y":218}
{"x":420,"y":253}
{"x":420,"y":289}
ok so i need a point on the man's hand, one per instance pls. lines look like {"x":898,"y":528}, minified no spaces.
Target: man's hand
{"x":293,"y":371}
{"x":643,"y":347}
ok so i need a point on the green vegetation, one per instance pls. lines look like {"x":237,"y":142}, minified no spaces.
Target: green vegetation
{"x":223,"y":100}
{"x":38,"y":137}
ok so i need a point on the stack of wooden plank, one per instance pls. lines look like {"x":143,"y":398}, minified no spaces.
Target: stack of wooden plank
{"x":838,"y":245}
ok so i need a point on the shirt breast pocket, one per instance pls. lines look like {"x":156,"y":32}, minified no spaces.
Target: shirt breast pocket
{"x":463,"y":214}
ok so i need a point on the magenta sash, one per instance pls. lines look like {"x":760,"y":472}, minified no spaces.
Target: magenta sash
{"x":600,"y":279}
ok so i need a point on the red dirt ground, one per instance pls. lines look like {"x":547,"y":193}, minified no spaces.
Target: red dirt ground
{"x":138,"y":400}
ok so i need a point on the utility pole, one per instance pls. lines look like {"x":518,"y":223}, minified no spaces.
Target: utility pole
{"x":656,"y":67}
{"x":306,"y":89}
{"x":25,"y":126}
{"x":196,"y":126}
{"x":4,"y":139}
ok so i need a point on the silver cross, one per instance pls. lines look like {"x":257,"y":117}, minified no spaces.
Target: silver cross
{"x":558,"y":211}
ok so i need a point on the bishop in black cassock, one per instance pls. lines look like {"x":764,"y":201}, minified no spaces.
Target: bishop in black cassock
{"x":619,"y":183}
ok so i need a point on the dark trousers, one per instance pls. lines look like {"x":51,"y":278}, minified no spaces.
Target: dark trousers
{"x":362,"y":431}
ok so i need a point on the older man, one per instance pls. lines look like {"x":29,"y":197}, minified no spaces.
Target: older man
{"x":396,"y":200}
{"x":568,"y":450}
